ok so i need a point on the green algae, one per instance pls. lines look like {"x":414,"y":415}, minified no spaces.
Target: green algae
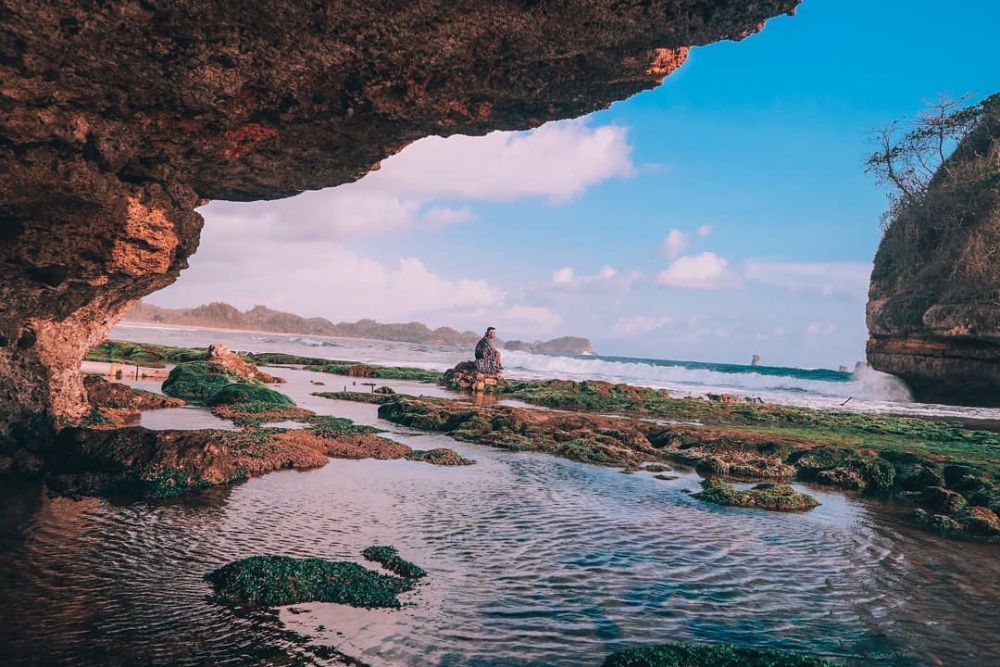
{"x":389,"y":558}
{"x":774,"y":497}
{"x":710,"y":655}
{"x":198,"y":381}
{"x":270,"y":581}
{"x":373,"y":371}
{"x":326,"y":426}
{"x":250,"y":394}
{"x":143,"y":354}
{"x":356,"y":396}
{"x":442,"y":456}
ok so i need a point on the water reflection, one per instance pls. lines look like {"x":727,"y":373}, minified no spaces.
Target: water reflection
{"x":532,"y":560}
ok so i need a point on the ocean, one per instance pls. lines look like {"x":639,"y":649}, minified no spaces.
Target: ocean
{"x":864,"y":391}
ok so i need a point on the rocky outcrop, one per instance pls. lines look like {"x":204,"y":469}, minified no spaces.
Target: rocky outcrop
{"x":562,"y":345}
{"x":222,"y":355}
{"x":934,"y":302}
{"x":118,"y":118}
{"x":466,"y":377}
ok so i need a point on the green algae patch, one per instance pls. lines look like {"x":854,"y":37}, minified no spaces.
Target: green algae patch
{"x":143,"y":354}
{"x":271,"y":581}
{"x":389,"y":558}
{"x":356,"y":396}
{"x":354,"y":369}
{"x":774,"y":497}
{"x":710,"y":655}
{"x":198,"y":381}
{"x":327,"y":426}
{"x":213,"y":384}
{"x":442,"y":456}
{"x":248,"y":392}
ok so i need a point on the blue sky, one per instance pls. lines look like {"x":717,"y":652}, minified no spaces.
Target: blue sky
{"x":758,"y":145}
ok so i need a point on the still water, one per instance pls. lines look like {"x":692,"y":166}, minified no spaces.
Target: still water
{"x":532,"y":560}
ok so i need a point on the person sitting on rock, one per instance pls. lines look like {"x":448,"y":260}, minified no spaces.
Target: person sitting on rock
{"x":487,"y":356}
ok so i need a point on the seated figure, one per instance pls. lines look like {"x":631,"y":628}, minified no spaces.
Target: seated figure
{"x":487,"y":356}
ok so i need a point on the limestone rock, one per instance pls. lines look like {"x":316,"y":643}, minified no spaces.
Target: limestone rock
{"x":934,"y":303}
{"x":465,"y":377}
{"x":119,"y":118}
{"x":222,"y":355}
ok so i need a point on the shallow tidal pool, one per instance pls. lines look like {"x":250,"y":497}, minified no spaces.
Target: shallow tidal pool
{"x":532,"y":560}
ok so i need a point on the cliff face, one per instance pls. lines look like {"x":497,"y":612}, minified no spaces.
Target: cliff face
{"x":934,"y":301}
{"x":562,"y":345}
{"x":119,"y":117}
{"x":262,"y":318}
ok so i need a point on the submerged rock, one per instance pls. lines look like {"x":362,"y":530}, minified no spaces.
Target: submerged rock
{"x":710,"y":655}
{"x":271,"y":581}
{"x":774,"y":497}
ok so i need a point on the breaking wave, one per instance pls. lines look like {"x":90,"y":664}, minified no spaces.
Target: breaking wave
{"x":865,"y":384}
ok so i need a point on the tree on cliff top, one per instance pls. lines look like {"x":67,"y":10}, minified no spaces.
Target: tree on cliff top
{"x":913,"y":155}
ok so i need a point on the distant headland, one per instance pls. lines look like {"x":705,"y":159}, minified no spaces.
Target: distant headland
{"x":261,"y":318}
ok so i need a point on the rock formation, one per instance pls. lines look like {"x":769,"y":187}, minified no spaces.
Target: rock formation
{"x":562,"y":345}
{"x":934,"y":301}
{"x":118,"y":118}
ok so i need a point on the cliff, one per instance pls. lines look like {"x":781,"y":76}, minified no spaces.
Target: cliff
{"x":934,"y":302}
{"x":563,"y":345}
{"x":261,"y":318}
{"x":118,"y":118}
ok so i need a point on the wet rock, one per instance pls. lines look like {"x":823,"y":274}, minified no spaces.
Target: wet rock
{"x":214,"y":384}
{"x":116,"y":405}
{"x":465,"y":377}
{"x":775,"y":497}
{"x":222,"y":355}
{"x":942,"y":501}
{"x":441,"y":456}
{"x":161,"y":464}
{"x":271,"y":581}
{"x":712,"y":465}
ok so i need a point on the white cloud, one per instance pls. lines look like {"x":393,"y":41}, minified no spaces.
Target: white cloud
{"x":536,"y":319}
{"x":563,"y":276}
{"x":557,"y":161}
{"x":637,"y":325}
{"x":704,"y":230}
{"x":675,"y":243}
{"x":816,"y":329}
{"x":443,"y":216}
{"x":608,"y":277}
{"x":827,"y":279}
{"x":704,"y":271}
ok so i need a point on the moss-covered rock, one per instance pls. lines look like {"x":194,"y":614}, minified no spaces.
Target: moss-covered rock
{"x":442,"y":456}
{"x":148,"y":355}
{"x":198,"y":381}
{"x":710,"y":655}
{"x":249,"y":393}
{"x":389,"y":558}
{"x":268,"y":581}
{"x":775,"y":497}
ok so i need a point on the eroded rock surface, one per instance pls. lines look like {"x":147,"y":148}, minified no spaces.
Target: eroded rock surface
{"x":118,"y":118}
{"x":934,"y":302}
